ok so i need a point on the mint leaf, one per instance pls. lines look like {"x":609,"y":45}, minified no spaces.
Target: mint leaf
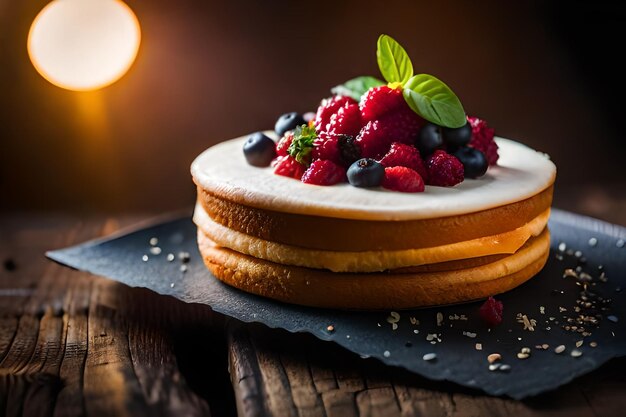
{"x":432,"y":99}
{"x":302,"y":144}
{"x":393,"y":61}
{"x":356,"y":87}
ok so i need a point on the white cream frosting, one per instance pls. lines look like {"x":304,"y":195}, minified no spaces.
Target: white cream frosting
{"x":521,"y":173}
{"x":367,"y":261}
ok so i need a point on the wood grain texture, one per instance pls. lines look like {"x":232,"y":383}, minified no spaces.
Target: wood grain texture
{"x":275,"y":373}
{"x":72,"y":344}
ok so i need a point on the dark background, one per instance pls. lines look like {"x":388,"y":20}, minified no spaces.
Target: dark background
{"x":544,"y":73}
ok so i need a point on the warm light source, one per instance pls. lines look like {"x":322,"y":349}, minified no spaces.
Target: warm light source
{"x":84,"y":44}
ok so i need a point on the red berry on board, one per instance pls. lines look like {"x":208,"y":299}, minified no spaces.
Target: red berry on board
{"x":403,"y":179}
{"x":324,"y":172}
{"x":444,"y":170}
{"x":491,"y":312}
{"x":326,"y":146}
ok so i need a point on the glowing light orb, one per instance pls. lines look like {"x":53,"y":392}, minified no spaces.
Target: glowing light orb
{"x":84,"y":44}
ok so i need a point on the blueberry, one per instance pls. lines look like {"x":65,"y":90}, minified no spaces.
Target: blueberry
{"x":474,"y":161}
{"x":459,"y":136}
{"x":366,"y":172}
{"x":259,"y":150}
{"x":288,"y":121}
{"x":429,"y":139}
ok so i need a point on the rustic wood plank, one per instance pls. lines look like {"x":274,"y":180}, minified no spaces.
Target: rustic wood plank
{"x":73,"y":345}
{"x":350,"y":386}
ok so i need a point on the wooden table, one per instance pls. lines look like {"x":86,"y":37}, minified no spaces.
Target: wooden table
{"x":72,"y":344}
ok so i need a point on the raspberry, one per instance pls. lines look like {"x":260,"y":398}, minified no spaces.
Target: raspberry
{"x":378,"y":101}
{"x":327,"y":108}
{"x":324,"y":172}
{"x":491,"y":312}
{"x":326,"y":146}
{"x":482,"y":139}
{"x":283,"y":144}
{"x":404,"y":156}
{"x":346,"y":121}
{"x":444,"y":169}
{"x":403,"y":179}
{"x":288,"y":166}
{"x":373,"y":140}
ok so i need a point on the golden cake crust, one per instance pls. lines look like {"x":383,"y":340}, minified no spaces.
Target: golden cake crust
{"x":374,"y":291}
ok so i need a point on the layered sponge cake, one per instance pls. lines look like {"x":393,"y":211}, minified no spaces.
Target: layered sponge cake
{"x":349,"y":247}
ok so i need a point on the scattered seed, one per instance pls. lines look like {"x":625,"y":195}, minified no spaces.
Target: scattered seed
{"x":172,"y":285}
{"x":505,"y":367}
{"x":562,"y":247}
{"x":170,"y":257}
{"x":545,"y":346}
{"x":184,"y":256}
{"x":593,"y":344}
{"x":183,"y":268}
{"x":386,"y":354}
{"x":144,"y":258}
{"x":529,"y":324}
{"x":593,"y":242}
{"x":559,"y":349}
{"x":479,"y":346}
{"x":330,"y":328}
{"x":414,"y":321}
{"x":578,"y":254}
{"x":620,"y":243}
{"x":576,"y":353}
{"x":429,"y":357}
{"x":525,"y":350}
{"x":494,"y":357}
{"x":569,"y":272}
{"x":439,"y":319}
{"x":347,"y":336}
{"x":416,"y":331}
{"x":494,"y":366}
{"x":154,"y":241}
{"x":394,"y":326}
{"x":542,"y":310}
{"x":155,"y":250}
{"x":579,"y":343}
{"x":469,"y":334}
{"x":612,"y":318}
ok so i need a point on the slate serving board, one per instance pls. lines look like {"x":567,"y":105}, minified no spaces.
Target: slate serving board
{"x":595,"y":247}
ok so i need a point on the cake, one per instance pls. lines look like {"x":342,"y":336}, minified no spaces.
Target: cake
{"x":374,"y":223}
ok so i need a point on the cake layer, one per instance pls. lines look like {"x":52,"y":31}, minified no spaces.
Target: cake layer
{"x":372,"y":291}
{"x":332,"y":234}
{"x":367,"y":261}
{"x":521,"y":173}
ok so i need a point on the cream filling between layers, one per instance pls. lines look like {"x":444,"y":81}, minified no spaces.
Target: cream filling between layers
{"x":367,"y":261}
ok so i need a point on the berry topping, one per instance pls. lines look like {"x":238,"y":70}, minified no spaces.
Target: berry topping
{"x":491,"y":312}
{"x":349,"y":149}
{"x":366,"y":172}
{"x":372,"y":140}
{"x":474,"y":161}
{"x":482,"y":139}
{"x":287,"y":166}
{"x":444,"y":169}
{"x":326,"y":146}
{"x":429,"y":139}
{"x":457,"y":137}
{"x":378,"y":101}
{"x":346,"y":121}
{"x":327,"y":108}
{"x":302,"y":143}
{"x":404,"y":156}
{"x":324,"y":172}
{"x":288,"y":121}
{"x":283,"y":144}
{"x":403,"y":179}
{"x":259,"y":150}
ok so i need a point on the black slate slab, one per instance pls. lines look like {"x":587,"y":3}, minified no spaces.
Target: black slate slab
{"x":549,"y":299}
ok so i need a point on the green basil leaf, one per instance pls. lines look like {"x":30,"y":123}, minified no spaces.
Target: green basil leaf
{"x":393,"y":61}
{"x":356,"y":87}
{"x":432,"y":99}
